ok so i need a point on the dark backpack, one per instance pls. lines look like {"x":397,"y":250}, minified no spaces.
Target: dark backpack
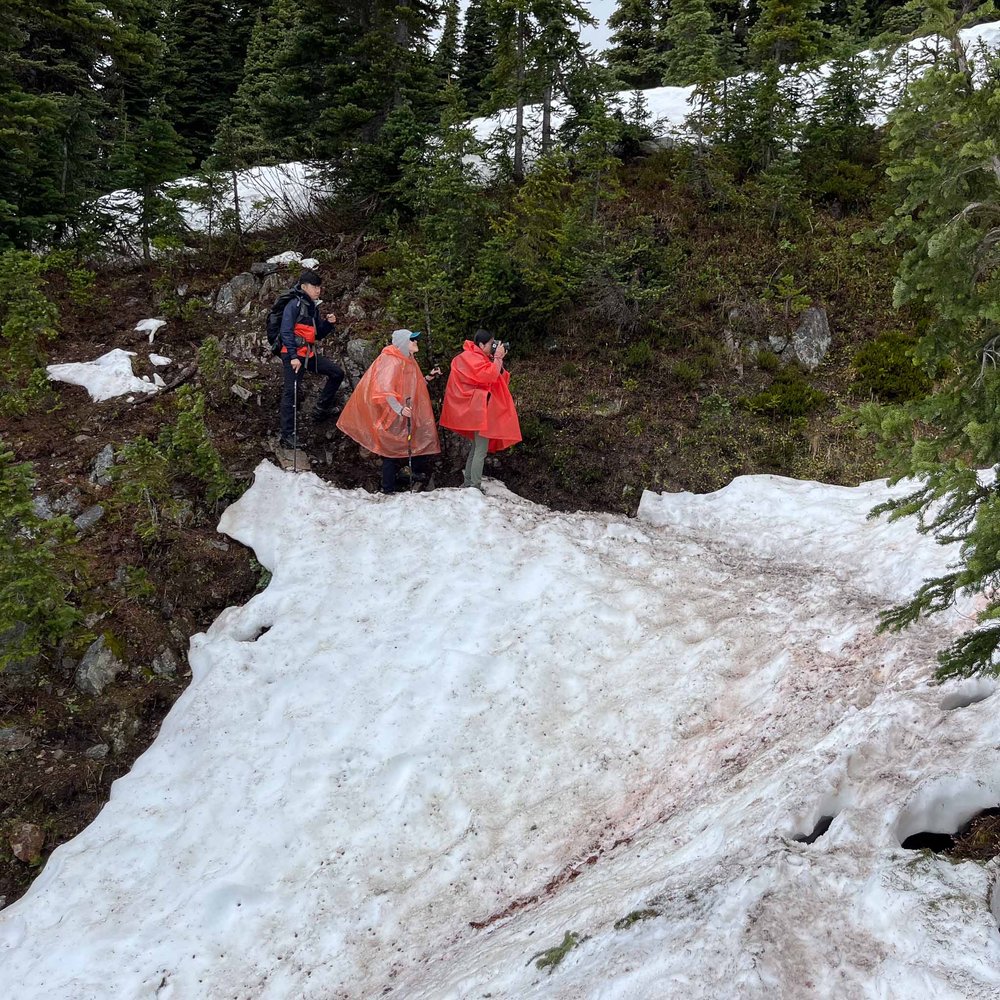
{"x":274,"y":318}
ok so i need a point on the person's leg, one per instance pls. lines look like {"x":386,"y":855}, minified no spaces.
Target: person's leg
{"x":420,"y":466}
{"x":288,"y":398}
{"x":477,"y":457}
{"x":334,"y":376}
{"x":390,"y":466}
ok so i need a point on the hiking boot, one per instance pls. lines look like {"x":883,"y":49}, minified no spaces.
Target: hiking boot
{"x":290,"y":444}
{"x":323,"y":413}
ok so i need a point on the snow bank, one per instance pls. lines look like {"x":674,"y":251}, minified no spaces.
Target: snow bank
{"x":109,"y":376}
{"x":455,"y":727}
{"x":669,"y":107}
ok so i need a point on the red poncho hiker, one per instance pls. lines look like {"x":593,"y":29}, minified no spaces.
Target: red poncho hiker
{"x":477,"y":399}
{"x":375,"y":423}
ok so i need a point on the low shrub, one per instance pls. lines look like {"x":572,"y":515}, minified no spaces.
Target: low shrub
{"x":886,"y":369}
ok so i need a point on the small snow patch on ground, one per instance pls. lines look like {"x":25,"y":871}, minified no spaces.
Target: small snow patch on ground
{"x":108,"y":376}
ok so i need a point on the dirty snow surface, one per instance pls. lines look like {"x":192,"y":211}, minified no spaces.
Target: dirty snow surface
{"x":455,"y":728}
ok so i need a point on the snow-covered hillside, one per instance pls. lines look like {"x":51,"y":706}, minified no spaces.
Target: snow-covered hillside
{"x":669,"y":107}
{"x":455,"y":728}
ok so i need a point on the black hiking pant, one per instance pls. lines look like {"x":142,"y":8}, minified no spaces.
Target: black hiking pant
{"x":320,"y":366}
{"x":420,"y":465}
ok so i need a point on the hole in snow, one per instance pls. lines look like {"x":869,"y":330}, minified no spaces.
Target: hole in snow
{"x":936,"y":842}
{"x":252,"y":635}
{"x":977,"y":840}
{"x":954,"y":818}
{"x":818,"y":830}
{"x":970,"y":693}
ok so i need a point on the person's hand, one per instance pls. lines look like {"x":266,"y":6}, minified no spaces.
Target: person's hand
{"x":331,"y":318}
{"x":433,"y":374}
{"x":406,"y":412}
{"x":500,"y":353}
{"x":296,"y":365}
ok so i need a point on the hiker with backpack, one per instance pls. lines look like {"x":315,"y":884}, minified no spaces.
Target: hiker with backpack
{"x":294,"y":326}
{"x":478,"y":404}
{"x":389,"y":413}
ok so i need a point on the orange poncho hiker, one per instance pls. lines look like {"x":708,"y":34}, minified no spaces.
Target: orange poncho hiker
{"x":477,"y":399}
{"x":373,"y":415}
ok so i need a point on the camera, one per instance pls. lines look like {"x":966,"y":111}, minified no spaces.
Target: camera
{"x":497,"y":343}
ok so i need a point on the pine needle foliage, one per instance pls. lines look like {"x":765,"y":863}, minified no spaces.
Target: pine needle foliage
{"x":36,"y":587}
{"x":944,"y":146}
{"x":160,"y":484}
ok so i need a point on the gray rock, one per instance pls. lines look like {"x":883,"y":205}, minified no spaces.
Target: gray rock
{"x":611,"y":409}
{"x":101,"y":471}
{"x":97,"y":752}
{"x":241,"y":391}
{"x":263,"y":269}
{"x":165,"y":663}
{"x":12,"y":740}
{"x":23,"y":666}
{"x":236,"y":295}
{"x":271,"y":287}
{"x":355,"y":310}
{"x":361,"y":352}
{"x":812,"y":338}
{"x":69,"y":504}
{"x":42,"y":508}
{"x":89,"y":518}
{"x":777,"y":343}
{"x":98,"y":668}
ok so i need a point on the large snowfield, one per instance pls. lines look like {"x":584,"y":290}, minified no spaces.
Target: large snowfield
{"x":456,"y":727}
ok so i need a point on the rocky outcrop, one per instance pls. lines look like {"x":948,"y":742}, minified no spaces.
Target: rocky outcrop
{"x":811,"y":341}
{"x":98,"y":668}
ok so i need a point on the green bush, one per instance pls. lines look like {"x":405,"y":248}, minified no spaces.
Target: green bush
{"x":639,"y":356}
{"x":28,"y":321}
{"x":767,"y":361}
{"x":790,"y":395}
{"x":163,"y":482}
{"x":688,"y":373}
{"x":35,"y":568}
{"x":216,"y":372}
{"x":886,"y":369}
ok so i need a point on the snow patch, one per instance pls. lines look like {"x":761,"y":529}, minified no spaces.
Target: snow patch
{"x":150,"y":326}
{"x":108,"y":376}
{"x":158,"y":360}
{"x":422,"y":755}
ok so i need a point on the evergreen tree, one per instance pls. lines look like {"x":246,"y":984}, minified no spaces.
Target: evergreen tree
{"x":477,"y":59}
{"x":693,"y":56}
{"x":204,"y":62}
{"x":35,"y":568}
{"x":638,"y":46}
{"x":945,"y":174}
{"x":259,"y":128}
{"x":446,"y":55}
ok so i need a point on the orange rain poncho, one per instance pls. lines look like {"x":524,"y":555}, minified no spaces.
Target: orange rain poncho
{"x":478,"y":399}
{"x":369,"y":420}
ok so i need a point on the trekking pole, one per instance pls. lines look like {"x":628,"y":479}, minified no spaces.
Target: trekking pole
{"x":409,"y":444}
{"x":295,"y":423}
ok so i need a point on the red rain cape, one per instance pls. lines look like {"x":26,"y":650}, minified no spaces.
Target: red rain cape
{"x":478,"y":399}
{"x":369,"y":420}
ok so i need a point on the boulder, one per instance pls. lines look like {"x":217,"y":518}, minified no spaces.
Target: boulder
{"x":355,"y":310}
{"x":361,"y":353}
{"x":97,"y":752}
{"x":42,"y":508}
{"x":12,"y":740}
{"x":165,"y":663}
{"x":98,"y":668}
{"x":101,"y":471}
{"x":812,"y":339}
{"x":22,"y":667}
{"x":26,"y":841}
{"x":263,"y":268}
{"x":89,"y":518}
{"x":236,"y":296}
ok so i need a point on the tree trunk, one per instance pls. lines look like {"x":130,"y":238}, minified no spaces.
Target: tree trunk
{"x":236,"y":206}
{"x":546,"y":118}
{"x":519,"y":114}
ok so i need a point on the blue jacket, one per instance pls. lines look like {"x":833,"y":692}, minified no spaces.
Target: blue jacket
{"x":301,"y":326}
